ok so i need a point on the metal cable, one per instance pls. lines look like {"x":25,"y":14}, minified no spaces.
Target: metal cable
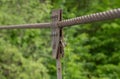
{"x":107,"y":15}
{"x":25,"y":26}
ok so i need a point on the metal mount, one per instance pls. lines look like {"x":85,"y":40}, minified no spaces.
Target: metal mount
{"x":57,"y":35}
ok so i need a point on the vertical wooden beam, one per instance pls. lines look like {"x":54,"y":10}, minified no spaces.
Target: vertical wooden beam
{"x":56,"y":40}
{"x":59,"y":68}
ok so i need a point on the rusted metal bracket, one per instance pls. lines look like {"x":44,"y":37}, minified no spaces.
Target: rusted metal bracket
{"x":57,"y":41}
{"x":57,"y":34}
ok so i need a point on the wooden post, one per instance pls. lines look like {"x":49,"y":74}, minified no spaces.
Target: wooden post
{"x":57,"y":47}
{"x":59,"y":68}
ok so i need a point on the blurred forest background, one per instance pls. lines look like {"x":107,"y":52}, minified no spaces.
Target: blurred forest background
{"x":92,"y":51}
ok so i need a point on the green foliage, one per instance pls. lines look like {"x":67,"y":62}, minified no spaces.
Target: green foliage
{"x":21,"y":51}
{"x":92,"y":51}
{"x":14,"y":66}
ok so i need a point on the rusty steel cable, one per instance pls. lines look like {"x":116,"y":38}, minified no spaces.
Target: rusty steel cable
{"x":25,"y":26}
{"x":106,"y":15}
